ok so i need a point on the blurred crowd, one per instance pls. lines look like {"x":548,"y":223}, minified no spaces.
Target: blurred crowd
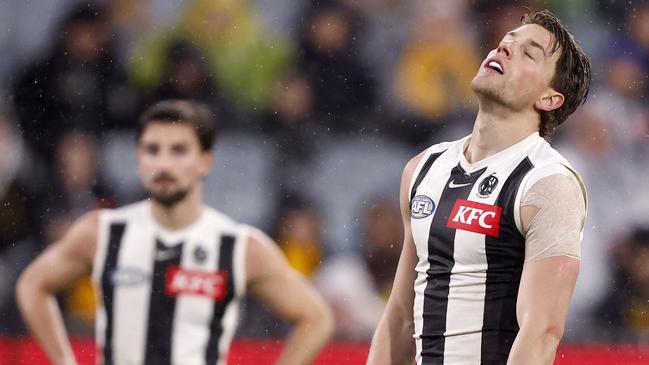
{"x":319,"y":106}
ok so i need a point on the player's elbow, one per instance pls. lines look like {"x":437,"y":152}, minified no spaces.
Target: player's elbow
{"x":548,"y":334}
{"x":552,"y":334}
{"x":397,"y":317}
{"x":548,"y":343}
{"x":328,"y":322}
{"x":319,"y":319}
{"x":324,"y":320}
{"x":26,"y":286}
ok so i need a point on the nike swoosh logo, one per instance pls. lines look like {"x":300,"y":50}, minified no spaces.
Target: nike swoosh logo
{"x":453,"y":185}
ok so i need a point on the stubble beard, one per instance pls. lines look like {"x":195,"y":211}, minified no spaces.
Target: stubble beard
{"x":171,"y":199}
{"x":489,"y":94}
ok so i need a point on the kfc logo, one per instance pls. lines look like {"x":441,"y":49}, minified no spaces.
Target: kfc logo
{"x":202,"y":283}
{"x":475,"y":217}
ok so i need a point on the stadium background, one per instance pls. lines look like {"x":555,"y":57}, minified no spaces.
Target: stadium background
{"x":320,"y":104}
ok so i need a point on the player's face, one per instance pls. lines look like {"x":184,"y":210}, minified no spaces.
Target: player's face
{"x":171,"y":162}
{"x":518,"y":73}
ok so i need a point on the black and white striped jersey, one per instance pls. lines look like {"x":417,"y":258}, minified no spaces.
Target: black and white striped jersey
{"x":167,"y":297}
{"x":466,"y":228}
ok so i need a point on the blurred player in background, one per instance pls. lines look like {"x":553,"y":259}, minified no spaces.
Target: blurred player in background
{"x":493,"y":221}
{"x":170,"y":271}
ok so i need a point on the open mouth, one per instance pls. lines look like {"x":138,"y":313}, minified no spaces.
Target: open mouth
{"x":495,"y":66}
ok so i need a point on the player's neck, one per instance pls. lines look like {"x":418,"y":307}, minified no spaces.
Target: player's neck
{"x":180,"y":215}
{"x":497,"y":129}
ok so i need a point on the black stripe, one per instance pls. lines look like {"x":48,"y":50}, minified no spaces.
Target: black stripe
{"x":505,"y":258}
{"x":161,"y":306}
{"x":423,"y":172}
{"x":115,"y":233}
{"x":225,"y":265}
{"x":441,"y":242}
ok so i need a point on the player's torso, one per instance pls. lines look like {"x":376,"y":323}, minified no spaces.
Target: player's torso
{"x":167,"y":297}
{"x":470,"y":251}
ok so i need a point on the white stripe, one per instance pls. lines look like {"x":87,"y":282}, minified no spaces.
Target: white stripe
{"x":229,"y":323}
{"x":101,"y":247}
{"x":239,"y":260}
{"x":418,"y":308}
{"x":191,"y":329}
{"x":230,"y":317}
{"x":131,"y":302}
{"x":100,"y":330}
{"x":432,"y":186}
{"x":101,"y":250}
{"x":106,"y":218}
{"x":418,"y":168}
{"x":465,"y":311}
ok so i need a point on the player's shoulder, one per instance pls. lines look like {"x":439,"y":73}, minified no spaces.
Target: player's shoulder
{"x":81,"y":237}
{"x":255,"y":239}
{"x":125,"y":212}
{"x":224,"y":223}
{"x":87,"y":224}
{"x":543,"y":154}
{"x":416,"y":162}
{"x":262,"y":255}
{"x":548,"y":161}
{"x":551,"y":166}
{"x":215,"y":216}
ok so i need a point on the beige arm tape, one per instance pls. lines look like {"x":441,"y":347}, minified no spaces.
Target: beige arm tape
{"x":556,"y":229}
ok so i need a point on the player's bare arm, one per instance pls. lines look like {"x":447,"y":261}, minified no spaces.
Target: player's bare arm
{"x":393,"y":342}
{"x":56,"y":269}
{"x":549,"y":274}
{"x":289,"y":296}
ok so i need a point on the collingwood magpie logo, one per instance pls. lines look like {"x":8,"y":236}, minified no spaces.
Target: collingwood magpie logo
{"x":421,"y":206}
{"x":487,"y":186}
{"x":200,"y":255}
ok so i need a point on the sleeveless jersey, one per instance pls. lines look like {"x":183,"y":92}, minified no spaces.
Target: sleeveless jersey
{"x":467,"y":232}
{"x":167,"y":297}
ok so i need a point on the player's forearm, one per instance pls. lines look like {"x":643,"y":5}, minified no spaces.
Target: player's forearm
{"x":43,"y":317}
{"x":308,"y":338}
{"x":392,"y":342}
{"x":535,"y":345}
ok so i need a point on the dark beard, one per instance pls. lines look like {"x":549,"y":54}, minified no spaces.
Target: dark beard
{"x":169,"y":200}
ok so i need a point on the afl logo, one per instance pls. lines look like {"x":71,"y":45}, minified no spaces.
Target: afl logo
{"x":421,"y":206}
{"x":487,"y":186}
{"x":129,"y":276}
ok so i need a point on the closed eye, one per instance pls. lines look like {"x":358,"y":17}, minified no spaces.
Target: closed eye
{"x":179,"y":149}
{"x":151,"y":149}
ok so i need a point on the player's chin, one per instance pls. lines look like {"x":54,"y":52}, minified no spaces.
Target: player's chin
{"x":487,"y":84}
{"x":162,"y":190}
{"x":168,"y":199}
{"x":481,"y":86}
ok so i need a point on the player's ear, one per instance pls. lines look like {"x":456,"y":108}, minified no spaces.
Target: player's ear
{"x":139,"y":155}
{"x":206,"y":160}
{"x":550,"y":101}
